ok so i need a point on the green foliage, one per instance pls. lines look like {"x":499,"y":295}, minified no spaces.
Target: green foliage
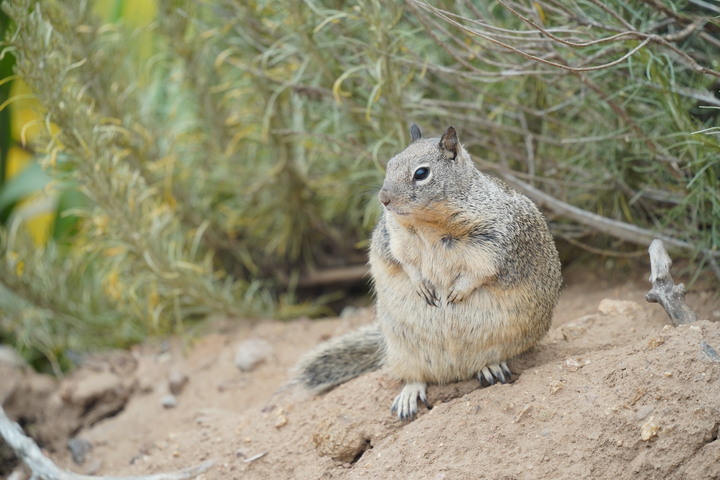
{"x":211,"y":156}
{"x":27,"y":182}
{"x":6,"y":69}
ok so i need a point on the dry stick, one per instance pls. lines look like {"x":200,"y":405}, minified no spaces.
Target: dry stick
{"x":614,"y":228}
{"x":334,"y":276}
{"x":43,"y":468}
{"x":664,"y":291}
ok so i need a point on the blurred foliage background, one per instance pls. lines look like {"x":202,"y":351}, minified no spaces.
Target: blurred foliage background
{"x":162,"y":161}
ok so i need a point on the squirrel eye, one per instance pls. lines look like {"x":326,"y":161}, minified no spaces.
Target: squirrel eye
{"x":421,"y":173}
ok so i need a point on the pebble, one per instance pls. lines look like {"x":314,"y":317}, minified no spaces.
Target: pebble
{"x":649,"y":430}
{"x":252,"y":352}
{"x":643,"y":411}
{"x":176,"y":382}
{"x":79,"y":448}
{"x":709,"y":351}
{"x":169,"y":401}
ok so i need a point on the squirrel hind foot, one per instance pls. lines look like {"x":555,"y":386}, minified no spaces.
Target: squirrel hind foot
{"x":406,"y":404}
{"x":494,"y":373}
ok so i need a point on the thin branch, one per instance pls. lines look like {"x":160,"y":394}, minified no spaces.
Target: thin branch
{"x":334,"y":276}
{"x":442,"y":14}
{"x":43,"y":468}
{"x":646,"y":39}
{"x":609,"y":226}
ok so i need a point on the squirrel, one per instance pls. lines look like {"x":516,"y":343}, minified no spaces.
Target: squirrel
{"x":465,"y":273}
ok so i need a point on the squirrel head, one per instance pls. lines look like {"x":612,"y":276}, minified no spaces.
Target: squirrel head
{"x":429,"y":174}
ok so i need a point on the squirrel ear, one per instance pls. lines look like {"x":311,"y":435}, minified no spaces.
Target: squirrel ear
{"x":449,"y":143}
{"x":415,"y":133}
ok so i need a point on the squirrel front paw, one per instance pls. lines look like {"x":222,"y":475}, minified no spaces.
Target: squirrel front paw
{"x":457,"y":296}
{"x":427,"y":291}
{"x":423,"y":286}
{"x":461,"y":289}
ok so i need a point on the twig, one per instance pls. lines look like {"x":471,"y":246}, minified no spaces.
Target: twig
{"x":450,"y":18}
{"x":446,"y":17}
{"x":670,"y":296}
{"x":614,"y":228}
{"x":43,"y":468}
{"x":334,"y":276}
{"x":329,"y":276}
{"x":255,"y":457}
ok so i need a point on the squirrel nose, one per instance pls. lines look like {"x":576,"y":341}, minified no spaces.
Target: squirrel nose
{"x":384,"y":197}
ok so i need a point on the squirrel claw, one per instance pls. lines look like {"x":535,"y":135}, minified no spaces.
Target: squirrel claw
{"x":427,"y":292}
{"x":496,"y":372}
{"x":460,"y":291}
{"x":405,"y":404}
{"x":455,"y":297}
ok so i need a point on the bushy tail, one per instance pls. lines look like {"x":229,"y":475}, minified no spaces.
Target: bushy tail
{"x":341,"y":359}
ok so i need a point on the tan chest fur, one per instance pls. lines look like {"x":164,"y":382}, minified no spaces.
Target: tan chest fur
{"x":450,"y":341}
{"x":441,"y":250}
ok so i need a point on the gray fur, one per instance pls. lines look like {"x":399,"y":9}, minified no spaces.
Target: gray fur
{"x":341,"y":359}
{"x":465,"y":271}
{"x":415,"y":133}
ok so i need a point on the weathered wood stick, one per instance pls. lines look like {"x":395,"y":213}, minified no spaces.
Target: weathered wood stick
{"x":43,"y":468}
{"x":670,"y":296}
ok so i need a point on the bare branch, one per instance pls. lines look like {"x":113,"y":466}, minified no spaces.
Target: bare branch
{"x":446,"y":16}
{"x":645,"y":39}
{"x":623,"y":231}
{"x":43,"y":468}
{"x":330,"y":276}
{"x":670,"y":296}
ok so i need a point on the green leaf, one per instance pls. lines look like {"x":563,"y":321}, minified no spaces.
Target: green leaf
{"x":29,"y":181}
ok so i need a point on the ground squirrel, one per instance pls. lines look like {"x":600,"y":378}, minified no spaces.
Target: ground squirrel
{"x":465,"y":272}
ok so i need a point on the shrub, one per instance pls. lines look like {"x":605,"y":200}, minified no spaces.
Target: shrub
{"x":225,"y":149}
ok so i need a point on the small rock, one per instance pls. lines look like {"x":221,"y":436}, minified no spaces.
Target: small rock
{"x":556,"y":386}
{"x":709,"y":352}
{"x":79,"y":448}
{"x":91,"y":387}
{"x":169,"y":401}
{"x":644,"y":411}
{"x":342,"y":439}
{"x":250,"y":353}
{"x":176,"y":382}
{"x":281,"y":421}
{"x":649,"y":429}
{"x":95,"y":395}
{"x":573,"y":365}
{"x":573,"y":330}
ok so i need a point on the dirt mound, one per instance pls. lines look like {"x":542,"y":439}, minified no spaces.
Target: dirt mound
{"x":610,"y":393}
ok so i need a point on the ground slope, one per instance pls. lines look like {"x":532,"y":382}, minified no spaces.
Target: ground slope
{"x":612,"y":392}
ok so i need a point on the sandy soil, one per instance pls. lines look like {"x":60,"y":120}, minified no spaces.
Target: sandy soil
{"x":612,"y":392}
